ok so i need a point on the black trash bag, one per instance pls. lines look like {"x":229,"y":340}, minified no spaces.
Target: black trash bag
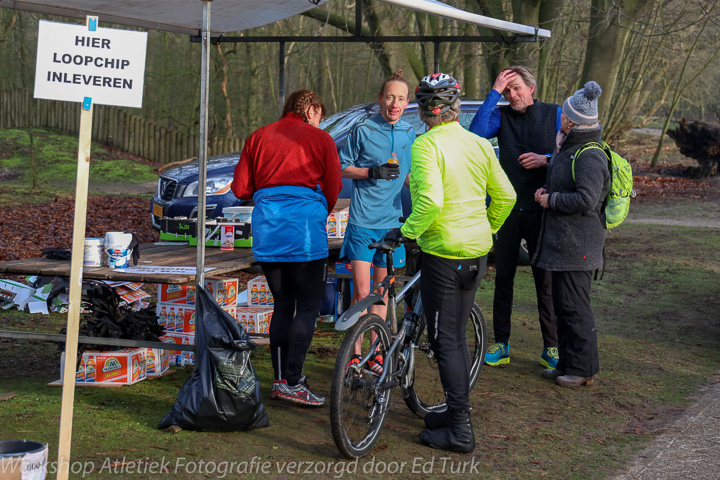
{"x":56,"y":253}
{"x":223,"y":392}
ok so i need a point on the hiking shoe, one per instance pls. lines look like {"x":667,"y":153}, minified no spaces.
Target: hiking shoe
{"x":497,"y":354}
{"x":276,"y":385}
{"x":375,"y":364}
{"x":549,"y":358}
{"x":299,"y":394}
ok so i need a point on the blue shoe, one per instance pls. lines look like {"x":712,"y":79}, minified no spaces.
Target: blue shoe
{"x":549,"y":357}
{"x":498,"y":354}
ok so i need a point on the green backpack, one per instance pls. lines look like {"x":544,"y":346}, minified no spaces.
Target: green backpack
{"x":617,"y":203}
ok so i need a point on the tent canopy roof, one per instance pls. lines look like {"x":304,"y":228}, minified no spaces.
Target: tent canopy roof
{"x":180,"y":16}
{"x":185,"y":16}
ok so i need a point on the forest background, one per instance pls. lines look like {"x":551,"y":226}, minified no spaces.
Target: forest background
{"x":655,"y":60}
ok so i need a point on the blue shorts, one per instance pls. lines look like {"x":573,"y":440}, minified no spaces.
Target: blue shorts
{"x":355,"y":247}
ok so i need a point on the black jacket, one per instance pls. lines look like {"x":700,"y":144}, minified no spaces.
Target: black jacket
{"x":531,"y":131}
{"x":572,"y":235}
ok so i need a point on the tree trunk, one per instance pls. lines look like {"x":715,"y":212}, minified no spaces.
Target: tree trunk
{"x":606,"y":44}
{"x":548,"y":15}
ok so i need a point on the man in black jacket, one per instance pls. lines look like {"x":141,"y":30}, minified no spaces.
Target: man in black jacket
{"x":526,"y":131}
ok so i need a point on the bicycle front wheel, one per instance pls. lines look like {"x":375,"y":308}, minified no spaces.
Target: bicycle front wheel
{"x":425,"y":393}
{"x":358,"y":403}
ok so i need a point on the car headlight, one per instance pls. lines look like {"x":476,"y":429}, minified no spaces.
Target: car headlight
{"x":213,"y":186}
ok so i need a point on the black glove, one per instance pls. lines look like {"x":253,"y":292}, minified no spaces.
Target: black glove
{"x":394,"y":237}
{"x":389,"y":171}
{"x":135,"y":245}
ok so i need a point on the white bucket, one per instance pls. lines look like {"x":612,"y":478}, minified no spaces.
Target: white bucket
{"x":94,"y":252}
{"x":23,"y":460}
{"x":117,"y":246}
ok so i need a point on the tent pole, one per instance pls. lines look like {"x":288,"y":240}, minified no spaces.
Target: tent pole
{"x":203,"y":150}
{"x":281,"y":75}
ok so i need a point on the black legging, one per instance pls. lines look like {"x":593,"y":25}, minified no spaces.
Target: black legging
{"x":519,"y":225}
{"x":448,"y":288}
{"x":297,"y":288}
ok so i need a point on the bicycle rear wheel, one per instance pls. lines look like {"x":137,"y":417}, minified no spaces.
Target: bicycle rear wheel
{"x":358,"y":404}
{"x":425,"y":393}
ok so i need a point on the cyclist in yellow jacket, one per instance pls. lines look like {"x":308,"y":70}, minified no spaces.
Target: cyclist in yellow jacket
{"x":453,"y":173}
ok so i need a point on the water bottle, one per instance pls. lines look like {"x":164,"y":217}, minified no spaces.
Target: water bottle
{"x":393,"y":160}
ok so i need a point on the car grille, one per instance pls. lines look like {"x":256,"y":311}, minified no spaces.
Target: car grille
{"x":166,"y":188}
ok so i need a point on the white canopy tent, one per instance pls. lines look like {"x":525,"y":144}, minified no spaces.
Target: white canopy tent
{"x":195,"y":17}
{"x":185,"y":16}
{"x":179,"y":16}
{"x":440,"y":9}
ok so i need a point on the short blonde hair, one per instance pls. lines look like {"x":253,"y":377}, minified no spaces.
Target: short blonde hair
{"x":447,"y":117}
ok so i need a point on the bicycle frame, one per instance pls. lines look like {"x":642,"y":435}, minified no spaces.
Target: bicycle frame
{"x":350,"y":316}
{"x":376,"y":297}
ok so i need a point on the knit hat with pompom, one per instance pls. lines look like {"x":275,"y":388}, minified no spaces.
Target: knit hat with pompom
{"x":582,"y":107}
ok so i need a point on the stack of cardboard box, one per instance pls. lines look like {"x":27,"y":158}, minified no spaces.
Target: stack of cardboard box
{"x":176,"y":312}
{"x":255,"y":318}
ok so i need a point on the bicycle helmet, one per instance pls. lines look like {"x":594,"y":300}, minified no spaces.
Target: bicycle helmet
{"x":436,"y":93}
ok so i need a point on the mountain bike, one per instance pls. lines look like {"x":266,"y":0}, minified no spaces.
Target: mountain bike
{"x":359,"y":396}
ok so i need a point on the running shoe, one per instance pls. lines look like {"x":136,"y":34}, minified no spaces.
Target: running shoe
{"x":549,"y":358}
{"x":375,"y":364}
{"x":498,"y":354}
{"x":354,"y":360}
{"x":299,"y":394}
{"x":276,"y":385}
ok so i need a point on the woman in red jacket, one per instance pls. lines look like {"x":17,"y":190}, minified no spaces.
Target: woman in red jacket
{"x":291,"y":170}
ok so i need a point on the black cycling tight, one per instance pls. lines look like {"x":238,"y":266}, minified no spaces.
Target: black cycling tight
{"x":297,"y":288}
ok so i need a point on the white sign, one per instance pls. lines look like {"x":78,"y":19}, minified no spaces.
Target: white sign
{"x":107,"y":65}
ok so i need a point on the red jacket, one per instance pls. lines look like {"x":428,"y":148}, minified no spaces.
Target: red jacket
{"x":288,"y":152}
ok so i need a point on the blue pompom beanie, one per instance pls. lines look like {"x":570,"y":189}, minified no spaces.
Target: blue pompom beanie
{"x":582,"y":107}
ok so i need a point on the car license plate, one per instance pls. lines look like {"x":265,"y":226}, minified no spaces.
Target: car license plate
{"x":157,"y":210}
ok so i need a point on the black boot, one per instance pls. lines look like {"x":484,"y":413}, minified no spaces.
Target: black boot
{"x":435,"y":420}
{"x":458,"y":437}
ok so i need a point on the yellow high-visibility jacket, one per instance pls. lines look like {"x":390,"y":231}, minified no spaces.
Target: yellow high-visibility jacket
{"x":453,"y":173}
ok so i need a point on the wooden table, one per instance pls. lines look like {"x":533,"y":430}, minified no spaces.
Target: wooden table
{"x":151,"y":254}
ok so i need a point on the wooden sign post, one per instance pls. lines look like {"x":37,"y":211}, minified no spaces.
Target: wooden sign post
{"x":92,"y":65}
{"x":76,"y":269}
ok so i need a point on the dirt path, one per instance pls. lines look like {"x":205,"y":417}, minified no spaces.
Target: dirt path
{"x":687,"y":448}
{"x":706,"y":223}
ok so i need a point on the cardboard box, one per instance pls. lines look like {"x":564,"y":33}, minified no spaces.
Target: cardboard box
{"x":239,"y":213}
{"x":157,"y":362}
{"x":259,"y":292}
{"x":223,"y":289}
{"x":255,"y":319}
{"x":342,"y":267}
{"x":184,"y":230}
{"x":337,"y":223}
{"x":123,"y":367}
{"x":179,"y":357}
{"x":176,"y":318}
{"x":174,"y":293}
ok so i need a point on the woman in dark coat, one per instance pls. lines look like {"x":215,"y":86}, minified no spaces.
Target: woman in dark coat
{"x":572,"y":236}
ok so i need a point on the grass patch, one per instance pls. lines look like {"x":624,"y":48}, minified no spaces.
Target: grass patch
{"x":55,"y":161}
{"x":656,"y":313}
